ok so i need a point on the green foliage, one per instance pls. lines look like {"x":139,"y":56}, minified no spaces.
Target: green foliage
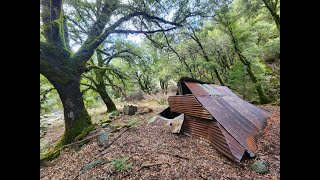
{"x":121,"y":164}
{"x":49,"y":98}
{"x":132,"y":123}
{"x":116,"y":127}
{"x":162,"y":101}
{"x":168,"y":58}
{"x":241,"y":84}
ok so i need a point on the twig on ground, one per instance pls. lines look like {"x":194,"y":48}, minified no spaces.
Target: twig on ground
{"x":145,"y":166}
{"x":105,"y":147}
{"x":175,"y":155}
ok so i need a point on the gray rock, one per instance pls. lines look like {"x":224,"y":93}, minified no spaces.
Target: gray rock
{"x":91,"y":165}
{"x":92,"y":132}
{"x":102,"y":139}
{"x":259,"y":166}
{"x":110,"y":115}
{"x":113,"y":114}
{"x":104,"y":125}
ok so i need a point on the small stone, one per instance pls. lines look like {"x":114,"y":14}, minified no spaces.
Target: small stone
{"x":259,"y":166}
{"x":91,"y":165}
{"x":104,"y":125}
{"x":92,"y":132}
{"x":102,"y":139}
{"x":113,"y":114}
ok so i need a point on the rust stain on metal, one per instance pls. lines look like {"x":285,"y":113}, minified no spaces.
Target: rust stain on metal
{"x":196,"y":88}
{"x":230,"y":119}
{"x":188,"y":104}
{"x":211,"y":131}
{"x":215,"y":113}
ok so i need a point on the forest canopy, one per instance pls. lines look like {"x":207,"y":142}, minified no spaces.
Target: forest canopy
{"x":98,"y":53}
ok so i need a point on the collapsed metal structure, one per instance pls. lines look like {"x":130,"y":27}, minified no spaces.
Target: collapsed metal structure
{"x":215,"y":113}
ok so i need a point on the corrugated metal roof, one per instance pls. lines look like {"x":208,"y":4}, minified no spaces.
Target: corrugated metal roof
{"x":196,"y":88}
{"x":242,"y":120}
{"x":211,"y":131}
{"x":188,"y":104}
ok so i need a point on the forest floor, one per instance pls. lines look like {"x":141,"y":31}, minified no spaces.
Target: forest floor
{"x":155,"y":153}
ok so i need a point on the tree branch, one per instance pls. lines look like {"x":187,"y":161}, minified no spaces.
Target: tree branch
{"x":52,"y":18}
{"x":90,"y":86}
{"x":90,"y":78}
{"x":142,"y":32}
{"x":77,"y":24}
{"x":88,"y":47}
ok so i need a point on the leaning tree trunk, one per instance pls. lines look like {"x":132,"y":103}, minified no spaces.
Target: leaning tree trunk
{"x":262,"y":96}
{"x":101,"y":89}
{"x":76,"y":116}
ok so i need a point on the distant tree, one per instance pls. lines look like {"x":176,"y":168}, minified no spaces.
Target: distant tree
{"x":63,"y":67}
{"x":228,"y":22}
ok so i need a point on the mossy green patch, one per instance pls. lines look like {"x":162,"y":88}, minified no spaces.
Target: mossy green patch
{"x":79,"y":145}
{"x":49,"y":155}
{"x":107,"y":120}
{"x":85,"y":132}
{"x":81,"y":126}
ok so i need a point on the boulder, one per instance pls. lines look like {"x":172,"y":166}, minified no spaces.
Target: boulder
{"x":260,"y":166}
{"x":102,"y":139}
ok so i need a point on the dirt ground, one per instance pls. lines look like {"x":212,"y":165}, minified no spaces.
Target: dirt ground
{"x":156,"y":153}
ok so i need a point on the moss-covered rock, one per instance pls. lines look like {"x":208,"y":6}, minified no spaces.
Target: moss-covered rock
{"x":103,"y":138}
{"x":91,"y":165}
{"x":260,"y":166}
{"x":49,"y":155}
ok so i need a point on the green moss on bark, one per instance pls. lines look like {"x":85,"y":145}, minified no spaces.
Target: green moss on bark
{"x":79,"y":127}
{"x":50,"y":155}
{"x":85,"y":132}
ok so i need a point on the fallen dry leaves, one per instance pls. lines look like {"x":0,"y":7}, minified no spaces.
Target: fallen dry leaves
{"x":156,"y":153}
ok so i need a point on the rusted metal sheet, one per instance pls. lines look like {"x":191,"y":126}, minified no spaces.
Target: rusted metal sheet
{"x":196,"y":88}
{"x":212,"y":131}
{"x":196,"y":127}
{"x":218,"y":141}
{"x":211,"y":91}
{"x":188,"y":104}
{"x":242,"y":129}
{"x":255,"y":115}
{"x":225,"y":91}
{"x":234,"y":123}
{"x":236,"y":148}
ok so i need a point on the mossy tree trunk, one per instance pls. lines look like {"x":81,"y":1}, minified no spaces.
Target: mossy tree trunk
{"x":164,"y":85}
{"x":228,"y":23}
{"x":76,"y":116}
{"x":63,"y":68}
{"x":272,"y":8}
{"x":205,"y":55}
{"x":262,"y":95}
{"x":106,"y":98}
{"x":101,"y":86}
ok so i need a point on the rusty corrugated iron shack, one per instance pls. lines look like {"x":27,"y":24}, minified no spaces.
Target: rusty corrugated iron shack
{"x":215,"y":113}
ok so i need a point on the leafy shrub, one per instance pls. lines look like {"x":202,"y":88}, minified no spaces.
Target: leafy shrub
{"x":121,"y":164}
{"x":132,"y":123}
